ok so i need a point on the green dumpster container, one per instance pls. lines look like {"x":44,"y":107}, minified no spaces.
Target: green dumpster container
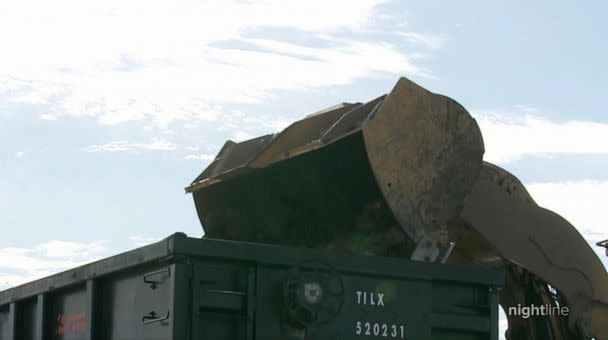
{"x":204,"y":289}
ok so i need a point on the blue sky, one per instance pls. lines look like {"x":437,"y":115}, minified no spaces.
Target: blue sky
{"x":108,"y":110}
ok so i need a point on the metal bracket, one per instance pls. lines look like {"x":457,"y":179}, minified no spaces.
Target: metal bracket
{"x":154,"y":283}
{"x":153,"y":317}
{"x":429,"y":251}
{"x":426,"y":251}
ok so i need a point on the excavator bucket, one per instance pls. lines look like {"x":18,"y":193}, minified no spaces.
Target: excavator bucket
{"x":393,"y":171}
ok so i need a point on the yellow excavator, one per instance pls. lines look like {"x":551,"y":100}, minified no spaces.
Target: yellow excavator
{"x":403,"y":175}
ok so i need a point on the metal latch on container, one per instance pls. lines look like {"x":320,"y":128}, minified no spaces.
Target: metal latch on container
{"x":154,"y":283}
{"x":153,"y":317}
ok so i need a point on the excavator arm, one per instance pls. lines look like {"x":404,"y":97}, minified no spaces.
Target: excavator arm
{"x":548,"y":262}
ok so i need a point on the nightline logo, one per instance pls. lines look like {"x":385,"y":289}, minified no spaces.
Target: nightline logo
{"x":543,"y":310}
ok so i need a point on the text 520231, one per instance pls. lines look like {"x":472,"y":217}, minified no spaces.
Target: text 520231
{"x":379,"y":329}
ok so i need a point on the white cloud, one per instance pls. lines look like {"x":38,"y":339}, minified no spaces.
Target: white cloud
{"x":65,"y":249}
{"x":243,"y":127}
{"x":241,"y":135}
{"x":116,"y":146}
{"x":123,"y":146}
{"x":583,"y":203}
{"x":19,"y":154}
{"x":202,"y":157}
{"x":8,"y":280}
{"x":140,"y":241}
{"x":20,"y":265}
{"x":170,"y":68}
{"x":426,"y":40}
{"x":158,"y":145}
{"x":47,"y":116}
{"x":511,"y":134}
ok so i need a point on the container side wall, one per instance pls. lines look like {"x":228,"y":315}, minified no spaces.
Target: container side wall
{"x":6,"y":320}
{"x":66,"y":314}
{"x":220,"y":301}
{"x":136,"y":305}
{"x":27,"y":319}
